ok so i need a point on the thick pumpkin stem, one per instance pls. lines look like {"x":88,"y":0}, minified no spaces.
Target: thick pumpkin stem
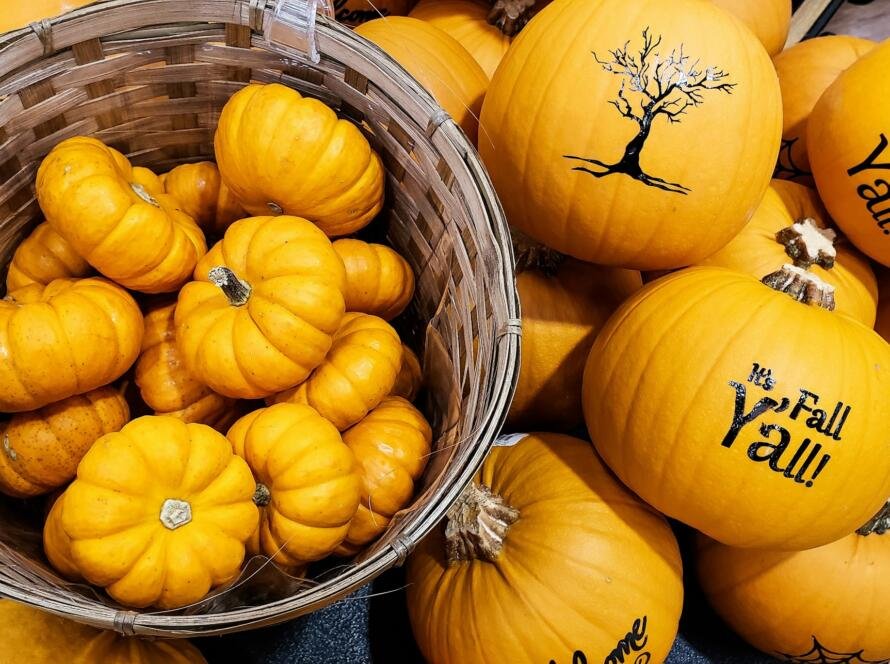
{"x":531,"y":255}
{"x":142,"y":193}
{"x":262,"y":496}
{"x":236,"y":290}
{"x":803,"y":286}
{"x":175,"y":513}
{"x":879,"y":524}
{"x":807,"y":244}
{"x":477,"y":525}
{"x":511,"y":15}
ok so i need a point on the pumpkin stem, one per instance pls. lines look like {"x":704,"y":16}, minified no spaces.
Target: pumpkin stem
{"x":879,"y":523}
{"x":175,"y":513}
{"x":477,"y":525}
{"x":531,"y":255}
{"x":803,"y":286}
{"x":807,"y":244}
{"x":511,"y":15}
{"x":262,"y":496}
{"x":142,"y":193}
{"x":236,"y":290}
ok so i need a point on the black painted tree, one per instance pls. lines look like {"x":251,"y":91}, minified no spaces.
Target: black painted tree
{"x":653,"y":86}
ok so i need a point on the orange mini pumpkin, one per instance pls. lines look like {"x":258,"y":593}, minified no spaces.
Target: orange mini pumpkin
{"x":378,"y":280}
{"x":204,"y":196}
{"x":410,"y":377}
{"x":43,"y":256}
{"x":57,"y":544}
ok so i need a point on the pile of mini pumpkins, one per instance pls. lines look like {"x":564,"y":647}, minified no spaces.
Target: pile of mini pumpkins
{"x":118,"y":286}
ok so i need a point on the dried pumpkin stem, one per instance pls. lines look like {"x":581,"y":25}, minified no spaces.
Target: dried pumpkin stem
{"x":175,"y":513}
{"x":142,"y":193}
{"x":531,"y":255}
{"x":236,"y":290}
{"x":803,"y":286}
{"x":511,"y":15}
{"x":477,"y":525}
{"x":879,"y":523}
{"x":807,"y":244}
{"x":262,"y":496}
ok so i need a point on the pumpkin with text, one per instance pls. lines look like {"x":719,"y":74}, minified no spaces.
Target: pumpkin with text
{"x":831,"y":601}
{"x":644,"y":139}
{"x":709,"y":385}
{"x":769,"y":20}
{"x":204,"y":196}
{"x":42,"y":257}
{"x":547,"y":551}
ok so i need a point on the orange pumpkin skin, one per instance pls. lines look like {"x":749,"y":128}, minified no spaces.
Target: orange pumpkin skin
{"x":805,"y":71}
{"x":43,"y":256}
{"x":140,"y":239}
{"x":666,"y":396}
{"x":204,"y":196}
{"x":355,"y":12}
{"x":780,"y":602}
{"x":610,"y":566}
{"x":882,"y":324}
{"x":57,"y":544}
{"x":769,"y":21}
{"x":152,"y":183}
{"x":378,"y":280}
{"x":444,"y":67}
{"x":756,"y":251}
{"x":849,"y":150}
{"x":20,"y":14}
{"x":561,"y":316}
{"x":583,"y":177}
{"x":410,"y":377}
{"x":51,"y":334}
{"x":41,"y":448}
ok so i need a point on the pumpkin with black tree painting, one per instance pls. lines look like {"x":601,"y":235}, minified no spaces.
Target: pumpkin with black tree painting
{"x":598,"y":159}
{"x":438,"y":61}
{"x":565,"y":303}
{"x":166,"y":386}
{"x":848,"y":142}
{"x":49,"y":335}
{"x":882,"y":324}
{"x":41,"y":448}
{"x":91,"y":197}
{"x":176,"y":507}
{"x":774,"y":235}
{"x":308,"y":484}
{"x":805,"y":71}
{"x":42,"y":257}
{"x":769,"y":20}
{"x":378,"y":280}
{"x":282,"y":153}
{"x":824,"y":604}
{"x":204,"y":196}
{"x":391,"y":445}
{"x":710,"y":384}
{"x":356,"y":12}
{"x":263,"y":308}
{"x":546,"y":550}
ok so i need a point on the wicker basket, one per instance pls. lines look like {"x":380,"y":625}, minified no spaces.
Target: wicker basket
{"x":150,"y":77}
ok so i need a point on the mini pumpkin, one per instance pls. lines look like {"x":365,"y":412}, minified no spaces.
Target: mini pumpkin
{"x":769,"y":20}
{"x":57,"y":544}
{"x":549,"y":552}
{"x":41,"y":448}
{"x":43,"y":256}
{"x":436,"y":59}
{"x":151,"y":182}
{"x":378,"y":280}
{"x":160,"y":512}
{"x":65,"y":338}
{"x":804,"y":605}
{"x":264,"y":306}
{"x":410,"y":377}
{"x":204,"y":196}
{"x":849,"y":150}
{"x":308,"y":483}
{"x":92,"y":198}
{"x":391,"y":445}
{"x":790,"y":224}
{"x":280,"y":152}
{"x":708,"y":386}
{"x":358,"y":372}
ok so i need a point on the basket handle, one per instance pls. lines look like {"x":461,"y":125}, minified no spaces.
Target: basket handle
{"x":293,"y":24}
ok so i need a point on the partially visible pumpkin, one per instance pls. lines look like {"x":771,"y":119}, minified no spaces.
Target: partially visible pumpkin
{"x":772,"y":237}
{"x":66,"y":338}
{"x":548,"y":552}
{"x":57,"y":544}
{"x":43,"y":256}
{"x":282,"y":153}
{"x":769,"y":20}
{"x":20,"y":14}
{"x":355,"y":12}
{"x":848,"y":142}
{"x":378,"y":280}
{"x":160,"y":512}
{"x":410,"y":376}
{"x":358,"y":372}
{"x":41,"y":448}
{"x":31,"y":636}
{"x":308,"y":486}
{"x":882,"y":324}
{"x":204,"y":196}
{"x":805,"y":71}
{"x":391,"y":445}
{"x":264,"y":306}
{"x":438,"y":61}
{"x":151,"y":182}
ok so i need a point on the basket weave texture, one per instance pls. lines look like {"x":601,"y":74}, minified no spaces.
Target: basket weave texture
{"x":150,"y":77}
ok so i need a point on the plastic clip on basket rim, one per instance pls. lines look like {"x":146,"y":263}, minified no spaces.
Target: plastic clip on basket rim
{"x":267,"y":20}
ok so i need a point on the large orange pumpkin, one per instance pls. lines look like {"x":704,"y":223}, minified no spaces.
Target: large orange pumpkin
{"x":773,"y":236}
{"x":596,"y":155}
{"x":769,"y":20}
{"x":728,"y":405}
{"x":805,"y":71}
{"x":355,"y":12}
{"x":19,"y":14}
{"x":549,"y":553}
{"x":438,"y":62}
{"x":204,"y":196}
{"x":828,"y":604}
{"x":848,"y":141}
{"x":43,"y":256}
